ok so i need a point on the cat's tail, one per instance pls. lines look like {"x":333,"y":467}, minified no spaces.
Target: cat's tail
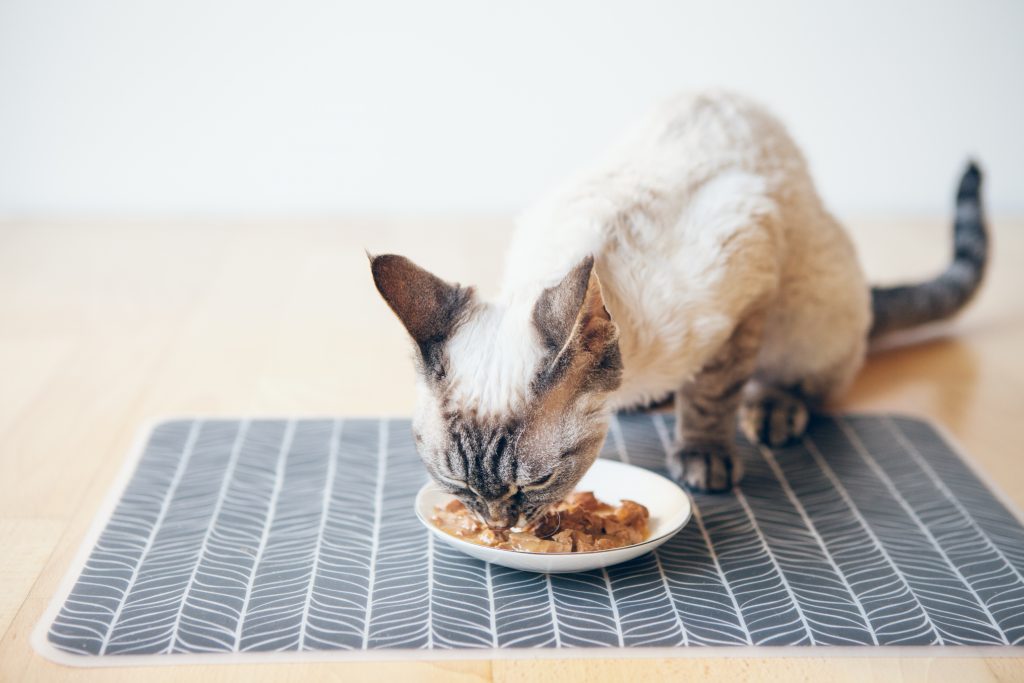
{"x":898,"y":308}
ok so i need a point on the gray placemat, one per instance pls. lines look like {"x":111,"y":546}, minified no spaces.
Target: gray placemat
{"x":276,"y":535}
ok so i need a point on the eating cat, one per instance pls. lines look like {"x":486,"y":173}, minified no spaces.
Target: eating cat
{"x":698,"y":262}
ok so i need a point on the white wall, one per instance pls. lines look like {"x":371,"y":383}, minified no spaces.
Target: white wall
{"x":194,"y":106}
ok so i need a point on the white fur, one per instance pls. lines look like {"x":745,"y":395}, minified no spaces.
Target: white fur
{"x":493,"y":356}
{"x":702,"y":215}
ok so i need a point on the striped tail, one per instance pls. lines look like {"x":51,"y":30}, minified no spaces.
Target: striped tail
{"x":905,"y":306}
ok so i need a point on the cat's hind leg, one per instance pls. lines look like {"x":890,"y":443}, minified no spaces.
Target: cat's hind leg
{"x":705,"y":457}
{"x":774,"y":410}
{"x":772,"y":415}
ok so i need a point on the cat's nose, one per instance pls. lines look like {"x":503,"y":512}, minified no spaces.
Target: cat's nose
{"x":501,"y":515}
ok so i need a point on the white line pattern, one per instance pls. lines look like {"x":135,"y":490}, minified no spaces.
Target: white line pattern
{"x":695,"y":581}
{"x":275,"y":535}
{"x":887,"y":481}
{"x":777,"y":471}
{"x":554,"y":610}
{"x":430,"y":591}
{"x":332,"y":469}
{"x":492,"y":608}
{"x":775,"y":563}
{"x":236,"y":450}
{"x":839,"y":488}
{"x":378,"y":505}
{"x":989,"y":517}
{"x":1007,"y":597}
{"x":286,"y":444}
{"x":615,"y":607}
{"x":164,"y":507}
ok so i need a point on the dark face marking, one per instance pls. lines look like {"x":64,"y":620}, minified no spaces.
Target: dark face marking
{"x":513,"y":468}
{"x":481,"y":467}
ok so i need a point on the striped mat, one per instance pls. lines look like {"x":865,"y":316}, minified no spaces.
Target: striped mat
{"x":298,"y":536}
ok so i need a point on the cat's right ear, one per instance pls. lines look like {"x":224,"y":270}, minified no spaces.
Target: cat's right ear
{"x":428,"y":307}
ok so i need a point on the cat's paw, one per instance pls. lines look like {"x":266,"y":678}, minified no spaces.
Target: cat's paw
{"x":772,"y":417}
{"x":705,"y":469}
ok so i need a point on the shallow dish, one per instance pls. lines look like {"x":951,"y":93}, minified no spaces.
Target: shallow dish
{"x":611,"y":482}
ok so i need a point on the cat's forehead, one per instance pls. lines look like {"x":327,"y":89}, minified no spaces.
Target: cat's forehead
{"x":492,"y":360}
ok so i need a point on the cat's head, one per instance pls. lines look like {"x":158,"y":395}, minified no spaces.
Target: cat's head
{"x":511,"y":408}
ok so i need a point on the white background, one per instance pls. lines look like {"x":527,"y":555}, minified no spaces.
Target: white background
{"x":197,"y":107}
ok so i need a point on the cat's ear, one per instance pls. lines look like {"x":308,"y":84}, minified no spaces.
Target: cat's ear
{"x":428,"y":307}
{"x":572,"y":308}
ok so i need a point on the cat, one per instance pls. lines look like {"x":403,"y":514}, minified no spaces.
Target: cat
{"x":696,"y":262}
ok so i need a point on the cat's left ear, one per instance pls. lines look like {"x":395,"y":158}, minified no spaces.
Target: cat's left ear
{"x":428,"y":307}
{"x":574,"y":310}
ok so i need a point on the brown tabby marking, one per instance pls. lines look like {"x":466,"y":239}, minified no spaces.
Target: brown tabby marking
{"x":705,"y":457}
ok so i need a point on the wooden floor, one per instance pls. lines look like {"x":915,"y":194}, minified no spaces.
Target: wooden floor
{"x":104,"y":325}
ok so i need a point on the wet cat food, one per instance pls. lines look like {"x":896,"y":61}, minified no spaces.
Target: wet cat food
{"x":580,"y":523}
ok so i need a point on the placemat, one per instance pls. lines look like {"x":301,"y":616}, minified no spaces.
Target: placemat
{"x":298,"y":536}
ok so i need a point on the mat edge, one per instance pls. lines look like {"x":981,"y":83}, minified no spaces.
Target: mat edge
{"x":409,"y":655}
{"x":101,"y":517}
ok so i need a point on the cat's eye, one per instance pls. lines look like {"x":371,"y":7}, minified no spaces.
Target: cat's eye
{"x":538,"y":484}
{"x":568,"y":453}
{"x":456,"y":484}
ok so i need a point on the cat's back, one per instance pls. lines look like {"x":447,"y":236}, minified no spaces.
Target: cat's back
{"x":711,"y":144}
{"x":689,"y":217}
{"x":669,"y":155}
{"x":693,"y":136}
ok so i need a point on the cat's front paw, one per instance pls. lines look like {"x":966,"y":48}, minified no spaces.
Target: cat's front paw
{"x":706,"y":468}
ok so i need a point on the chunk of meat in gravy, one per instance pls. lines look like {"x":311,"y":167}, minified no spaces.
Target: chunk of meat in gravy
{"x":580,"y":523}
{"x":585,"y":500}
{"x":527,"y":542}
{"x":457,"y":520}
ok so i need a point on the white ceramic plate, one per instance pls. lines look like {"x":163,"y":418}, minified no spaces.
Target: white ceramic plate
{"x":610,"y":481}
